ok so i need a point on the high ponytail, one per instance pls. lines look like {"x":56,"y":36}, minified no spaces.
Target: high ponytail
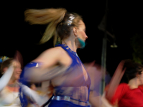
{"x":51,"y":16}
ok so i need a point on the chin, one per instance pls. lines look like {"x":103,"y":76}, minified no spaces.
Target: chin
{"x":17,"y":77}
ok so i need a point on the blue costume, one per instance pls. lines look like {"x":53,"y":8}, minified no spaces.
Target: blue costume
{"x":78,"y":94}
{"x":74,"y":90}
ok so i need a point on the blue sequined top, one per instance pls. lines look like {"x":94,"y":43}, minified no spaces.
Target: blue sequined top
{"x":73,"y":82}
{"x":74,"y":85}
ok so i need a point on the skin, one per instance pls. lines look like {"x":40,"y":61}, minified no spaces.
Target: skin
{"x":135,"y":82}
{"x":58,"y":56}
{"x":16,"y":72}
{"x":141,"y":78}
{"x":15,"y":76}
{"x":81,"y":31}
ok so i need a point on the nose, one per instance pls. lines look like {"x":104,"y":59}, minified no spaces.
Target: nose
{"x":86,"y":36}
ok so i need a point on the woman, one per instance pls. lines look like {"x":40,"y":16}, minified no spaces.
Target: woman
{"x":129,"y":93}
{"x":12,"y":92}
{"x":61,"y":65}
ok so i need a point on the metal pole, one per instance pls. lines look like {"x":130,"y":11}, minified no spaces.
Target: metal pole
{"x":103,"y":56}
{"x":103,"y":64}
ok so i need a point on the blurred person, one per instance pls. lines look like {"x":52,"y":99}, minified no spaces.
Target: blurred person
{"x":42,"y":89}
{"x":60,"y":65}
{"x":12,"y":92}
{"x":129,"y":92}
{"x":95,"y":73}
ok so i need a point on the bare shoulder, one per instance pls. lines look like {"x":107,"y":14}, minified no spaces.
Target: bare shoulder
{"x":52,"y":53}
{"x":53,"y":56}
{"x":54,"y":50}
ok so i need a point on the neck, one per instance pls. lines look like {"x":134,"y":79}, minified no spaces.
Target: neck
{"x":70,"y":44}
{"x":12,"y":81}
{"x":133,"y":83}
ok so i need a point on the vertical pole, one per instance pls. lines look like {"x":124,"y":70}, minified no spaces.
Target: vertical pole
{"x":103,"y":56}
{"x":103,"y":64}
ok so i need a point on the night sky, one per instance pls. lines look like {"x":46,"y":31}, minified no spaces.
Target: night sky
{"x":124,"y":19}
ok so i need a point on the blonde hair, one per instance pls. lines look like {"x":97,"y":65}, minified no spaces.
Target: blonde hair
{"x":54,"y":18}
{"x":45,"y":16}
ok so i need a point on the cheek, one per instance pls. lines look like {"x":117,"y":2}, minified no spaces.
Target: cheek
{"x":141,"y":78}
{"x":16,"y":74}
{"x":142,"y":75}
{"x":82,"y":34}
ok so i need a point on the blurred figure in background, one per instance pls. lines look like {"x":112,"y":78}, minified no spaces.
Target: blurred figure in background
{"x":12,"y":92}
{"x":95,"y":74}
{"x":129,"y":93}
{"x":107,"y":78}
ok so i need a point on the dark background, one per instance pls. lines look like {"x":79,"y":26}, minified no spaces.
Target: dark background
{"x":124,"y":20}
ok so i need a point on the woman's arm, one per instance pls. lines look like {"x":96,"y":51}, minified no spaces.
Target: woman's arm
{"x":98,"y":100}
{"x":6,"y":77}
{"x":95,"y":74}
{"x":48,"y":65}
{"x":33,"y":95}
{"x":94,"y":99}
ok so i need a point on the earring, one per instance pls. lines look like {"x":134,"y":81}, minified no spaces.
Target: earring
{"x":81,"y":42}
